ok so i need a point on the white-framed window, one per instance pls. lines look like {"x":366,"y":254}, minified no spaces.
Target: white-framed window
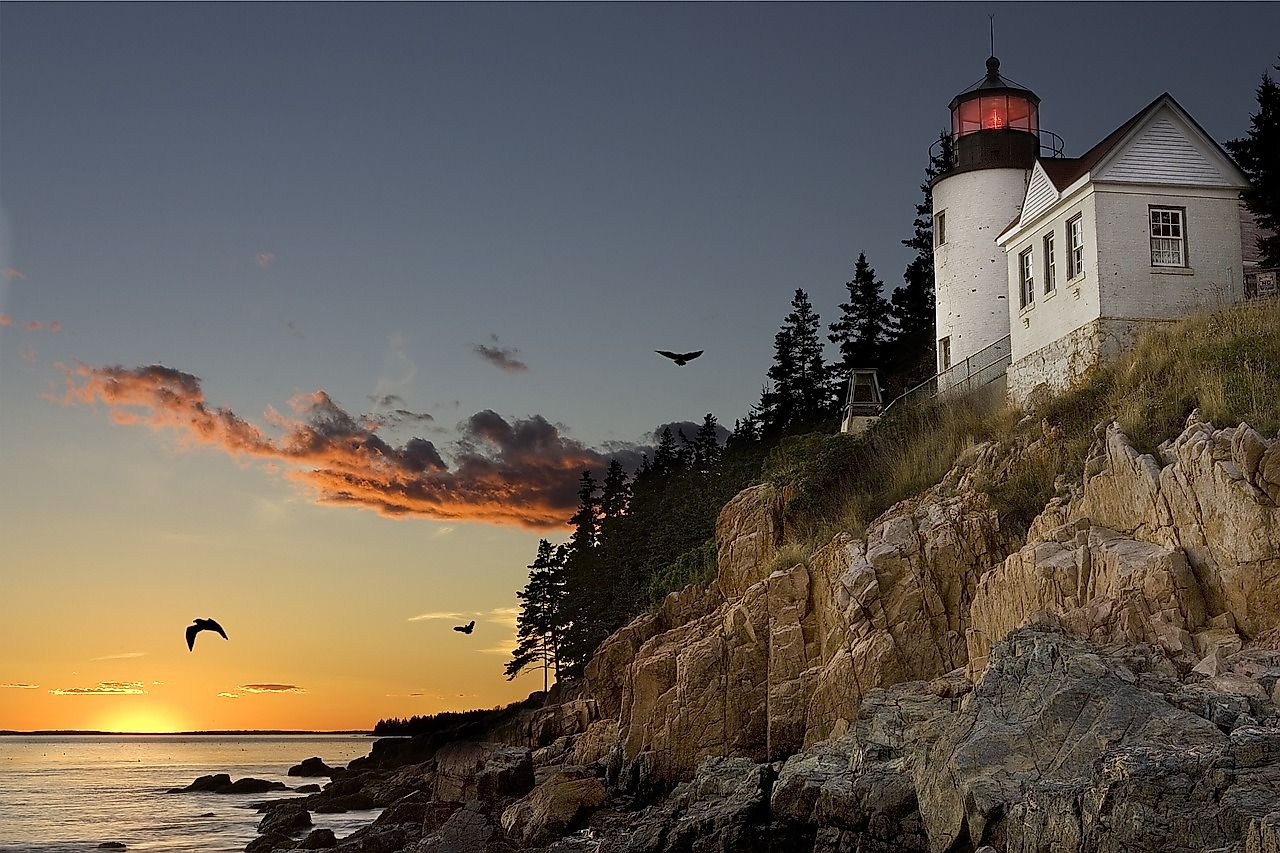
{"x":1168,"y":237}
{"x":939,"y":228}
{"x":1026,"y":278}
{"x":1075,"y":247}
{"x":1050,"y":266}
{"x":944,"y":353}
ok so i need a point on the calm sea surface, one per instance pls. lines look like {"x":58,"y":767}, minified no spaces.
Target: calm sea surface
{"x":63,"y":793}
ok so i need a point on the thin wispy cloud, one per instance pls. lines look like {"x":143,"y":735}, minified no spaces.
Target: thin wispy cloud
{"x":122,"y":656}
{"x":265,"y":259}
{"x":505,"y":358}
{"x":522,"y":472}
{"x":501,"y":648}
{"x":6,"y":320}
{"x":270,"y":688}
{"x":13,"y":274}
{"x":228,"y":695}
{"x":33,"y":325}
{"x":506,"y":615}
{"x":29,"y":354}
{"x":103,"y":688}
{"x":19,"y":685}
{"x":428,"y":617}
{"x":55,"y":326}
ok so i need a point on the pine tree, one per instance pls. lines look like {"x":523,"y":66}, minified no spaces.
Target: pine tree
{"x":862,"y":330}
{"x":614,"y":494}
{"x":586,"y":521}
{"x":801,"y":391}
{"x":666,"y":456}
{"x":706,"y":445}
{"x":540,"y":625}
{"x":1258,"y":154}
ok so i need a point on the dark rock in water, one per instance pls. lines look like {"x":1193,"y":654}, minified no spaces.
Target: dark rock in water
{"x":267,"y":843}
{"x":220,"y":783}
{"x":205,"y":783}
{"x":252,"y":786}
{"x":319,"y":839}
{"x":111,"y":845}
{"x":313,"y":766}
{"x":308,"y":789}
{"x":285,"y":819}
{"x":209,"y":814}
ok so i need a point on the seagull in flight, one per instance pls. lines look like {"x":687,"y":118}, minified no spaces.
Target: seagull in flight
{"x":202,"y":625}
{"x":681,"y":358}
{"x":467,"y":628}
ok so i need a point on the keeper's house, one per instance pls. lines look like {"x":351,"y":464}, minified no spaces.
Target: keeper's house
{"x":1142,"y":229}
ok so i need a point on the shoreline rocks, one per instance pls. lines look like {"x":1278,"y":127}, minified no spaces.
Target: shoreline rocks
{"x":220,"y":783}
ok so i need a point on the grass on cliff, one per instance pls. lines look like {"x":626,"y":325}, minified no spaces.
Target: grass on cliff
{"x":1226,"y":363}
{"x":840,"y":482}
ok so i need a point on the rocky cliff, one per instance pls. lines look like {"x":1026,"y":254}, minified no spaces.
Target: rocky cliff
{"x":1110,"y":684}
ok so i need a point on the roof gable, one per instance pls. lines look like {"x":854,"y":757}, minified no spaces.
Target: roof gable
{"x":1164,"y":145}
{"x":1041,"y":194}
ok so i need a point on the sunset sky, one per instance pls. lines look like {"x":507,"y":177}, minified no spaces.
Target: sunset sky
{"x":310,"y":315}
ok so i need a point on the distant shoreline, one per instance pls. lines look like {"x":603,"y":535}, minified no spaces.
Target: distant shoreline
{"x":84,"y":732}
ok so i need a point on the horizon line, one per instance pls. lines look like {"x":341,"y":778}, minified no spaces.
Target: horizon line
{"x":15,"y":732}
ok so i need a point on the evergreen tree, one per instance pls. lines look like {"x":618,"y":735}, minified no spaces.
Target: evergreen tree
{"x":666,"y":456}
{"x":706,"y":445}
{"x":801,"y":392}
{"x":614,"y":494}
{"x":863,"y":327}
{"x":586,"y":521}
{"x":586,"y":597}
{"x":539,"y":626}
{"x":1258,"y":154}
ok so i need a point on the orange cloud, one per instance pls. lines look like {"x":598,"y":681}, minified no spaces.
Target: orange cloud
{"x":6,"y":320}
{"x":13,"y":274}
{"x":33,"y":325}
{"x":18,"y":685}
{"x":28,"y":353}
{"x":270,"y":688}
{"x":265,"y":259}
{"x":103,"y":688}
{"x":55,"y":326}
{"x":523,"y":472}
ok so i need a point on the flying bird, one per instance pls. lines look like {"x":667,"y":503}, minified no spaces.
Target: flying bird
{"x":679,"y":357}
{"x":467,"y":628}
{"x":202,"y":625}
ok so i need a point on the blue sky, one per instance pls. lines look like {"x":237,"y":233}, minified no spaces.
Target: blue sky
{"x":281,"y":198}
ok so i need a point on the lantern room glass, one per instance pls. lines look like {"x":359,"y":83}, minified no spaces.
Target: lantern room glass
{"x":996,"y":111}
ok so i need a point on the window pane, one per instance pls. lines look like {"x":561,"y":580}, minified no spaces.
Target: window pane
{"x":995,"y":112}
{"x":1019,"y":113}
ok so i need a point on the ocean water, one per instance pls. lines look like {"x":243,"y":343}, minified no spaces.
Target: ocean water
{"x":65,"y":793}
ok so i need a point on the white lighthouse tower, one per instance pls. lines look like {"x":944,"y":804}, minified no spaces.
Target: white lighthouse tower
{"x":995,"y":140}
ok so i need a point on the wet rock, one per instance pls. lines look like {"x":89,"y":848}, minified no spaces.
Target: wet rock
{"x":308,"y":789}
{"x":319,"y":839}
{"x":313,"y":766}
{"x":552,"y":807}
{"x":220,"y":783}
{"x":285,"y":819}
{"x":111,"y":845}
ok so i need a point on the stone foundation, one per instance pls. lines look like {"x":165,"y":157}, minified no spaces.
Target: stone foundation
{"x":1061,"y":363}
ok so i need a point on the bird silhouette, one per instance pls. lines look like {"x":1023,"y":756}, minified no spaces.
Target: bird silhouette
{"x":679,"y":357}
{"x":202,"y":625}
{"x":467,"y":628}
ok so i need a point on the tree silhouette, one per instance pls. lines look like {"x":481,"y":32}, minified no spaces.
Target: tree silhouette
{"x":1258,"y":154}
{"x":863,"y":327}
{"x":540,"y":624}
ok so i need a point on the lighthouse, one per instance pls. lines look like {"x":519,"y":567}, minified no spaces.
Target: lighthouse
{"x":995,"y":140}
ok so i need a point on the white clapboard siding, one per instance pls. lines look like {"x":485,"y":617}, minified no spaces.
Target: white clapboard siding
{"x":1040,"y":195}
{"x":1163,"y":154}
